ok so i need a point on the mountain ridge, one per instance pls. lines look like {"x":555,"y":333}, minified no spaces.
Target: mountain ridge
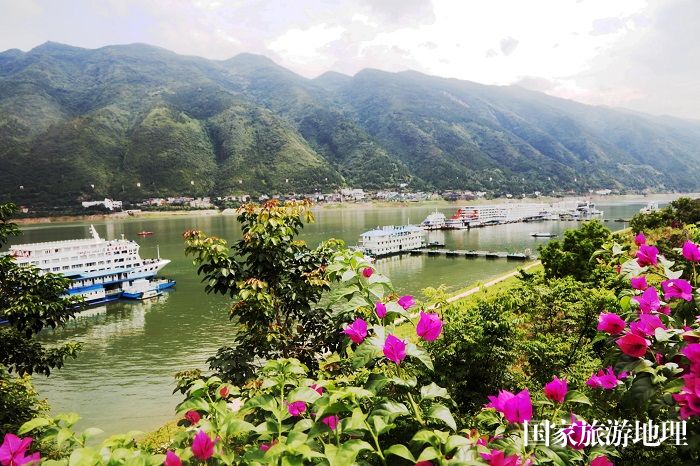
{"x":111,"y":116}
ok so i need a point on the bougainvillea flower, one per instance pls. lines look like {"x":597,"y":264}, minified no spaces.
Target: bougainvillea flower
{"x":296,"y":408}
{"x":633,"y":345}
{"x":640,"y":239}
{"x":601,"y":461}
{"x":579,"y":434}
{"x":646,"y":325}
{"x":689,"y":398}
{"x":677,"y":288}
{"x":193,"y":416}
{"x":13,"y":451}
{"x":556,"y":390}
{"x":380,"y":309}
{"x":691,"y":251}
{"x":692,"y":352}
{"x":267,"y":446}
{"x":423,"y":463}
{"x":515,"y":408}
{"x":203,"y":446}
{"x":394,"y":349}
{"x":647,"y":255}
{"x":648,"y":301}
{"x":639,"y":283}
{"x":318,"y":388}
{"x":665,"y":310}
{"x":171,"y":459}
{"x":331,"y":421}
{"x":498,"y":458}
{"x":224,"y":392}
{"x":367,"y":272}
{"x":406,"y":301}
{"x":610,"y":323}
{"x":429,"y":326}
{"x":606,"y":380}
{"x":357,"y":331}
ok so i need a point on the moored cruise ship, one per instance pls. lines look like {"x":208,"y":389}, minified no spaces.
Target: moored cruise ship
{"x":391,"y":240}
{"x":98,"y":267}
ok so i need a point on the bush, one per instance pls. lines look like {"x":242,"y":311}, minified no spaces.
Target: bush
{"x":19,"y":401}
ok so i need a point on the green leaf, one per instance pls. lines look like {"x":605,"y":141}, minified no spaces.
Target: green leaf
{"x":401,"y":451}
{"x":662,"y":335}
{"x":420,"y":354}
{"x":574,"y":396}
{"x":306,"y":394}
{"x":346,"y":453}
{"x":92,"y":432}
{"x":454,"y":442}
{"x":33,"y":424}
{"x":394,"y":407}
{"x":428,"y":392}
{"x":442,"y":412}
{"x":364,"y":354}
{"x":428,"y":454}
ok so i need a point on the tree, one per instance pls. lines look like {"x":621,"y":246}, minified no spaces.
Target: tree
{"x":29,"y":302}
{"x":274,"y":281}
{"x":572,"y":255}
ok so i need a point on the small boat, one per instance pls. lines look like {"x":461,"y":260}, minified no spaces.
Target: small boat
{"x":541,"y":234}
{"x":144,"y":289}
{"x":436,"y":244}
{"x":145,"y":233}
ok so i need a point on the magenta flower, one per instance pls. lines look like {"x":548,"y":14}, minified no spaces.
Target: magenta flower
{"x":357,"y":331}
{"x":13,"y":449}
{"x":689,"y":398}
{"x":367,"y":272}
{"x":677,"y":288}
{"x":498,"y":458}
{"x":406,"y":301}
{"x":556,"y":390}
{"x":639,"y":283}
{"x":515,"y":408}
{"x":691,"y":251}
{"x":610,"y":323}
{"x":633,"y":345}
{"x":394,"y":349}
{"x":203,"y":446}
{"x":640,"y":239}
{"x":380,"y":309}
{"x":647,"y":255}
{"x":646,"y":325}
{"x":429,"y":326}
{"x":692,"y":352}
{"x":193,"y":416}
{"x":318,"y":388}
{"x":601,"y":461}
{"x":224,"y":392}
{"x":648,"y":301}
{"x":296,"y":408}
{"x":578,"y":434}
{"x":606,"y":380}
{"x":171,"y":459}
{"x":331,"y":421}
{"x":267,"y":446}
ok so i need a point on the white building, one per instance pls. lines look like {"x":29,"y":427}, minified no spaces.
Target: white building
{"x":107,"y":203}
{"x":391,"y":240}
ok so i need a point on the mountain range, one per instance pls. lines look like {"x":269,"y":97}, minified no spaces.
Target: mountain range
{"x":135,"y":121}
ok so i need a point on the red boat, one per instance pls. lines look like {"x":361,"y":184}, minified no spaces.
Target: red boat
{"x":144,"y":233}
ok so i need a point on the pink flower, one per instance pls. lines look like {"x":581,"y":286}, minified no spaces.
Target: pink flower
{"x":689,"y":398}
{"x":192,"y":416}
{"x":13,"y":449}
{"x":367,"y":272}
{"x":691,"y":251}
{"x":606,"y":380}
{"x":646,"y":325}
{"x":639,"y":283}
{"x":677,"y":288}
{"x":647,"y":255}
{"x":267,"y":446}
{"x":406,"y":301}
{"x":648,"y":301}
{"x":556,"y":390}
{"x":429,"y":326}
{"x":318,"y":388}
{"x":203,"y":446}
{"x":394,"y":349}
{"x":610,"y":323}
{"x":601,"y":461}
{"x":498,"y":458}
{"x":357,"y":331}
{"x":633,"y":345}
{"x":423,"y":463}
{"x":515,"y":408}
{"x":331,"y":421}
{"x":579,"y":434}
{"x":692,"y":352}
{"x":640,"y":239}
{"x":380,"y":309}
{"x":296,"y":408}
{"x":224,"y":392}
{"x":171,"y":459}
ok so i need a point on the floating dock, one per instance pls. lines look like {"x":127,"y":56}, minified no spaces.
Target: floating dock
{"x":465,"y":253}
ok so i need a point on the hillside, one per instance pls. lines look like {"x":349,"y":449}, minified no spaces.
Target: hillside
{"x":121,"y":115}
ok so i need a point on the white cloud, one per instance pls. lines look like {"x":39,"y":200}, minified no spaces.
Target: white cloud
{"x":306,"y":46}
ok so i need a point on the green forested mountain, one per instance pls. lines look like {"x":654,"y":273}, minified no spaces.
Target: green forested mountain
{"x":121,"y":115}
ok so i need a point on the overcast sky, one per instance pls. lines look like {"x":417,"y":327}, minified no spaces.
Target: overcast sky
{"x":638,"y":54}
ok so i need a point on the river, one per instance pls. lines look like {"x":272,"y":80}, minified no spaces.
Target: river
{"x":123,"y":378}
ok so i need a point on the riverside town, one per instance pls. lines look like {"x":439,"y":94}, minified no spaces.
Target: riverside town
{"x":349,"y":233}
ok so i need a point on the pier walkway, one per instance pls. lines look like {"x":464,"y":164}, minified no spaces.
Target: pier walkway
{"x":465,"y":253}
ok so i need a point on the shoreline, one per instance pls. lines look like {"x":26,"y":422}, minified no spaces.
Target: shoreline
{"x":437,"y":203}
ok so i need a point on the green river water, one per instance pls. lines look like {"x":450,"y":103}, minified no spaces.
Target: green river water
{"x":123,"y":378}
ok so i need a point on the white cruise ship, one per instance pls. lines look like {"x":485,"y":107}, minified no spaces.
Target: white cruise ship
{"x":98,"y":267}
{"x":434,"y":221}
{"x":391,"y":240}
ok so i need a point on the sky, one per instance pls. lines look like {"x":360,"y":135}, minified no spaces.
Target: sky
{"x":637,"y":54}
